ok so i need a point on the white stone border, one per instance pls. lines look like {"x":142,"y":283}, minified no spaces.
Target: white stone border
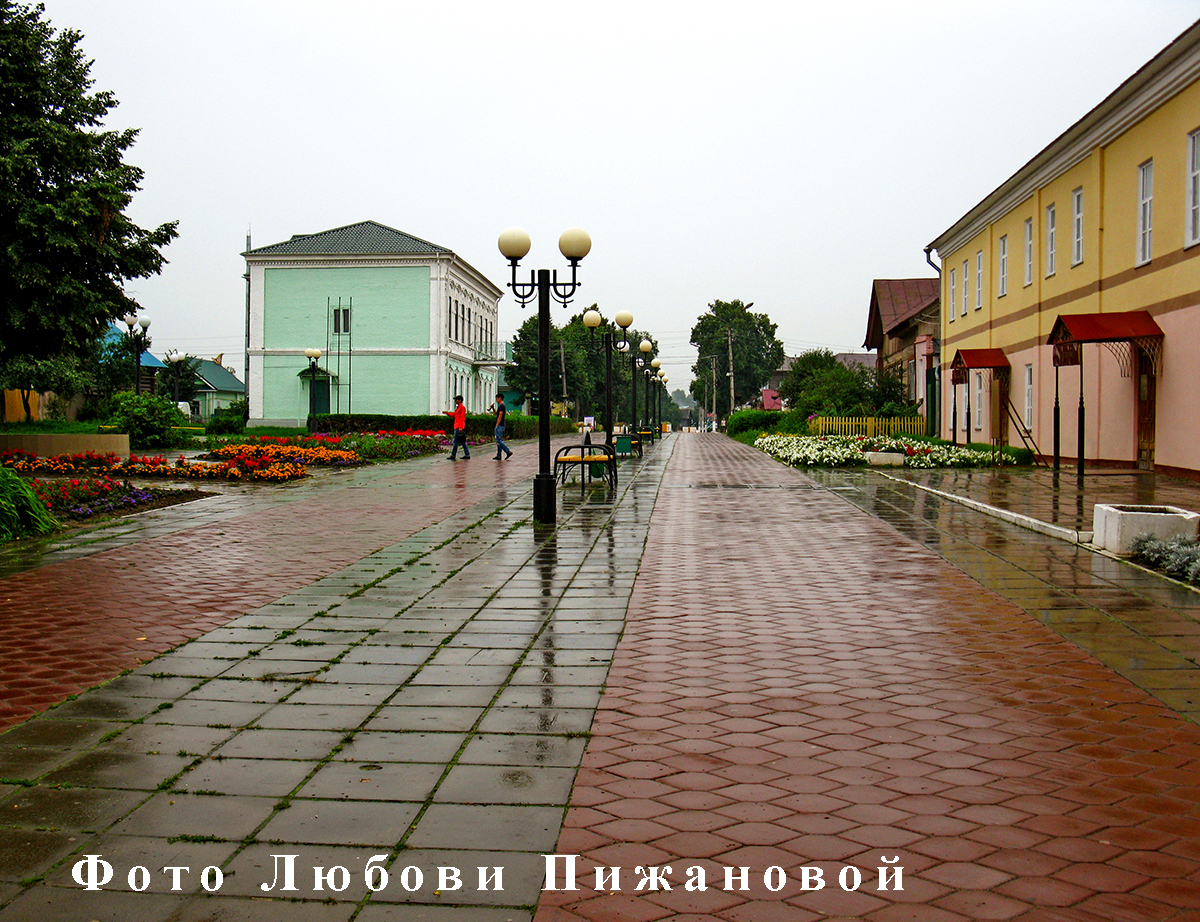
{"x":1015,"y":518}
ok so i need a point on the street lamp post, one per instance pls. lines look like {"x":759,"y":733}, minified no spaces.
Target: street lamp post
{"x":628,"y":348}
{"x":649,"y":420}
{"x":662,"y":379}
{"x":655,"y":371}
{"x":543,"y":285}
{"x":312,"y":355}
{"x":645,"y":347}
{"x":138,"y":339}
{"x":175,"y":357}
{"x":591,"y":320}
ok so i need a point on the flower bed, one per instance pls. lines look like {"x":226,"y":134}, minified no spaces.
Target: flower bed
{"x":385,"y":444}
{"x":253,"y":457}
{"x":850,"y":451}
{"x":84,"y":498}
{"x":248,"y":467}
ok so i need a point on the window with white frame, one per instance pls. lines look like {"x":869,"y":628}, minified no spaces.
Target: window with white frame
{"x":979,"y":400}
{"x":1145,"y":216}
{"x":1002,"y":268}
{"x":1029,"y":251}
{"x":1028,"y":396}
{"x":1077,"y":226}
{"x":966,"y":285}
{"x":1051,"y":231}
{"x":1192,"y":234}
{"x":979,"y":280}
{"x":953,"y":293}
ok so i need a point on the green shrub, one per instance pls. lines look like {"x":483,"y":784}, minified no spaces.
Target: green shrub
{"x":1020,"y":456}
{"x":230,"y":420}
{"x":149,"y":420}
{"x":478,"y":424}
{"x":1178,"y":557}
{"x":793,"y":422}
{"x":22,"y":514}
{"x":753,"y":421}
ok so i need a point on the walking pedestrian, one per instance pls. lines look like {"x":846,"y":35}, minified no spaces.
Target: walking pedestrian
{"x":460,"y":429}
{"x":501,"y":416}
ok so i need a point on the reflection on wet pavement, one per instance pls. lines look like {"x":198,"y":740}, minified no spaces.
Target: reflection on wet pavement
{"x":1060,"y":499}
{"x":1137,"y":623}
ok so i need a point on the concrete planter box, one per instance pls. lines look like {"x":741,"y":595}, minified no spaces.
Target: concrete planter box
{"x":1115,"y":527}
{"x":885,"y":458}
{"x":47,"y":445}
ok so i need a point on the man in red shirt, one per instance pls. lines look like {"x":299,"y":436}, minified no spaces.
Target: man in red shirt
{"x":460,"y":429}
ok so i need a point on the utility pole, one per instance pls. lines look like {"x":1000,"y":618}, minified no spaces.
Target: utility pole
{"x":562,"y":359}
{"x":729,"y":335}
{"x":713,"y":380}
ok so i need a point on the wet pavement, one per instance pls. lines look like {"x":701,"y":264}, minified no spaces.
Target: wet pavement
{"x":725,"y":664}
{"x":79,"y":610}
{"x":1063,"y":499}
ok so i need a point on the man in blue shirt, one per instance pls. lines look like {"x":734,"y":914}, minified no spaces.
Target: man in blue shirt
{"x":501,"y":416}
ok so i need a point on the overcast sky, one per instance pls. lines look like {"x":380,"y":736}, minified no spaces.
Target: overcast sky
{"x":783,"y":153}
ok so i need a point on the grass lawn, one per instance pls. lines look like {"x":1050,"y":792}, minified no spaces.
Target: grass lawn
{"x":47,"y":427}
{"x":283,"y":431}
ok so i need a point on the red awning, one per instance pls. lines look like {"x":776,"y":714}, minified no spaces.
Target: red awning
{"x":1119,"y":332}
{"x":1121,"y":326}
{"x":980,"y":358}
{"x":964,"y":359}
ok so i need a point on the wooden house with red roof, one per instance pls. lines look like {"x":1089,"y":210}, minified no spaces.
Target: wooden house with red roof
{"x":902,"y":328}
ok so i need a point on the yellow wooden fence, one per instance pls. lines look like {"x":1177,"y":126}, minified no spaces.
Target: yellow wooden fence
{"x":867,"y":425}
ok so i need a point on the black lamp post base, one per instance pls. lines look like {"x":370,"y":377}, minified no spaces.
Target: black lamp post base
{"x":545,"y":500}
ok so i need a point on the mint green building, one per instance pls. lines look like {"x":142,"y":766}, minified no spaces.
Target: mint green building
{"x":402,"y":324}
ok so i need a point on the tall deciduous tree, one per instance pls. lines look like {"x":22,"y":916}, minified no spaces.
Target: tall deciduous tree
{"x":66,"y":245}
{"x":757,"y":354}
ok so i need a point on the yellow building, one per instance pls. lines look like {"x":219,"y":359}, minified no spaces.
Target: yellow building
{"x":1087,"y":254}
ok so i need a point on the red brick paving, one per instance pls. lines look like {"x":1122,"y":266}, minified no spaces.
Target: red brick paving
{"x":71,"y":625}
{"x":799,"y":685}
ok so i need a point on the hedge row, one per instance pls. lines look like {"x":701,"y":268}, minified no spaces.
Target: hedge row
{"x":478,"y":424}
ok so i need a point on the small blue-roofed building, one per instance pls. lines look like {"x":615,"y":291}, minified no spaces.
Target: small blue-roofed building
{"x":217,"y":387}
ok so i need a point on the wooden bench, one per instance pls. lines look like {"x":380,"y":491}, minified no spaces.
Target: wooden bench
{"x":586,"y":458}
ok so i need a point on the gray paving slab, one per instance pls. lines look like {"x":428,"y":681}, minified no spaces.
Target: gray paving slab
{"x":410,"y":705}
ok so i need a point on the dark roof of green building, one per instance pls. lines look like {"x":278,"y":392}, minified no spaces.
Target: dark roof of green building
{"x":219,"y":378}
{"x":363,"y":238}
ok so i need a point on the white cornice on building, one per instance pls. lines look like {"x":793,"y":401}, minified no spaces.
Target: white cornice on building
{"x":1166,"y":75}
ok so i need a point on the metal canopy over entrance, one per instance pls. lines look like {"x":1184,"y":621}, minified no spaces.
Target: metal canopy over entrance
{"x":966,"y":360}
{"x":1135,"y":339}
{"x":996,"y":364}
{"x":1118,"y":332}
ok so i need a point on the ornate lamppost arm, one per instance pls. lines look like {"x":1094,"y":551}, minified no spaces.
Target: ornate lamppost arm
{"x":543,"y":285}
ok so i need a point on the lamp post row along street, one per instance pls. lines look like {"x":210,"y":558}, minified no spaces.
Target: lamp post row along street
{"x":624,"y":319}
{"x":543,"y":285}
